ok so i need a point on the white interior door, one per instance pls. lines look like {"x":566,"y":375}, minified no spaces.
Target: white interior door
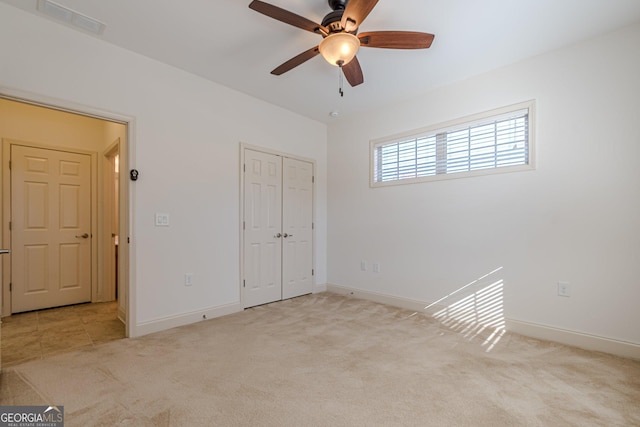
{"x":262,"y":228}
{"x":297,"y":223}
{"x":50,"y":228}
{"x":278,"y":228}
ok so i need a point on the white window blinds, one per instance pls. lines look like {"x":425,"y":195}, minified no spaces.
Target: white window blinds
{"x":491,"y":142}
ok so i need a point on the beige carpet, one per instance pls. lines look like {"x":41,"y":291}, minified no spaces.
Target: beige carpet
{"x":329,"y":360}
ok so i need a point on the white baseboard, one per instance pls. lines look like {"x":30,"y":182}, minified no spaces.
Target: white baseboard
{"x":319,"y":288}
{"x":533,"y":330}
{"x":169,"y":322}
{"x":406,"y":303}
{"x":576,"y":339}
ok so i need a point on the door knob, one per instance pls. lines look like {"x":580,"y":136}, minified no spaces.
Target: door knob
{"x":287,"y":235}
{"x":83,"y":236}
{"x":277,"y":236}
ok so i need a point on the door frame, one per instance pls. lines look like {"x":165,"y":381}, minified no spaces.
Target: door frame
{"x":7,"y":204}
{"x":108,"y":178}
{"x":126,"y":266}
{"x":243,"y":148}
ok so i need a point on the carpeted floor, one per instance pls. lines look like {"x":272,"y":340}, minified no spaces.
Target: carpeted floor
{"x":329,"y":360}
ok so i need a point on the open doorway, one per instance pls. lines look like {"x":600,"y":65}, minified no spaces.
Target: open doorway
{"x":43,"y":138}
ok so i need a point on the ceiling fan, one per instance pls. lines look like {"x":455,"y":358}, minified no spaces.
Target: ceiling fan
{"x":341,"y":41}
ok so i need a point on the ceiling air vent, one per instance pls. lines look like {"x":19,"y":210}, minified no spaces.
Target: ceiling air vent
{"x":70,"y":17}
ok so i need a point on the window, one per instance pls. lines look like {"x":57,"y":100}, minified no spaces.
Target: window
{"x":496,"y":141}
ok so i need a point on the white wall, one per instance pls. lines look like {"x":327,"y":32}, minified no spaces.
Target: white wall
{"x":185,"y":143}
{"x":576,"y":218}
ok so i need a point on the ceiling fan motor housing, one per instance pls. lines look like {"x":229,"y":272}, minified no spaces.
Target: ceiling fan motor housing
{"x":332,"y":21}
{"x":337,"y":4}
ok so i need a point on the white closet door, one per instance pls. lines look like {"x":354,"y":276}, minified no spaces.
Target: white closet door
{"x":262,"y":228}
{"x":278,"y":228}
{"x":297,"y":223}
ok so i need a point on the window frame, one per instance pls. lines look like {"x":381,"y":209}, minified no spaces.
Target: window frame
{"x":450,"y":126}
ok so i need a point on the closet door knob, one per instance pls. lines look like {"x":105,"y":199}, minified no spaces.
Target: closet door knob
{"x":277,"y":236}
{"x":287,"y":235}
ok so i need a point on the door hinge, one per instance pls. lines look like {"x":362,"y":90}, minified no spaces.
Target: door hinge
{"x":244,"y":168}
{"x":244,"y":283}
{"x":128,"y":240}
{"x":244,"y":225}
{"x":313,"y":272}
{"x":10,"y":287}
{"x":9,"y":164}
{"x":9,"y":225}
{"x":313,"y":179}
{"x":313,"y":225}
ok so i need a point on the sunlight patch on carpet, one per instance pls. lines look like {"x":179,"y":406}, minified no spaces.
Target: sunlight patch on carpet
{"x":476,"y":310}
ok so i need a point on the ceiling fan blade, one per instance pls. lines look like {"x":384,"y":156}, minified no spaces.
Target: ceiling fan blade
{"x":353,"y":72}
{"x":285,"y":16}
{"x":355,"y":12}
{"x":396,"y":39}
{"x":295,"y":61}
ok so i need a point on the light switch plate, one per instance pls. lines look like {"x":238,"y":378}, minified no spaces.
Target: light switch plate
{"x":162,"y":220}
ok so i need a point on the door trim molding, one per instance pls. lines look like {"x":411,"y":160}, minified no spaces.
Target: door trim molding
{"x":105,"y":261}
{"x":243,"y":147}
{"x":127,"y":252}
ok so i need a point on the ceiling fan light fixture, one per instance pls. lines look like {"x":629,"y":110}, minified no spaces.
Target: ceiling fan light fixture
{"x":339,"y":48}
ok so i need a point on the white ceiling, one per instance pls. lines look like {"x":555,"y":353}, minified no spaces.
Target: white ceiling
{"x":226,"y":42}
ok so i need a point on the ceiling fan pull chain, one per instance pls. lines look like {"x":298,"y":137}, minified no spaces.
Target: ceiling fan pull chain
{"x":340,"y":81}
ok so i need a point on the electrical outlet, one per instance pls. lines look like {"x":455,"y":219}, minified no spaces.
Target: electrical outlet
{"x":564,"y":289}
{"x":376,"y":267}
{"x":188,"y":279}
{"x":363,"y":265}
